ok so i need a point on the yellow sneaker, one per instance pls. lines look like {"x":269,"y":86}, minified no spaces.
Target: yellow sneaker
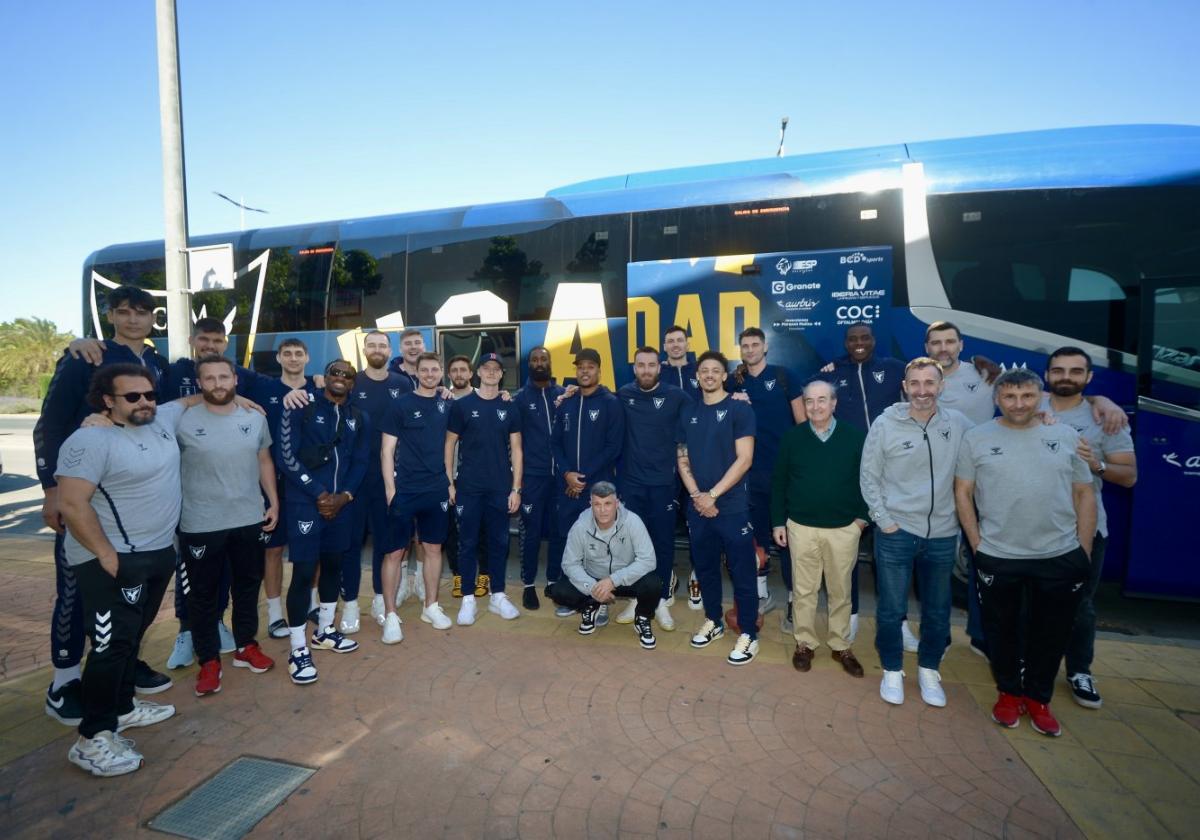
{"x":483,"y":586}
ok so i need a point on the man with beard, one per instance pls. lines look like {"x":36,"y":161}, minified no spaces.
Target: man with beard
{"x":1110,"y":457}
{"x":714,"y":450}
{"x":415,"y":484}
{"x":131,"y":314}
{"x":322,"y":454}
{"x":412,"y":345}
{"x":226,"y":469}
{"x":679,"y":371}
{"x":538,"y":491}
{"x":458,"y":370}
{"x":1032,"y":539}
{"x":589,"y":431}
{"x":647,"y":469}
{"x":120,"y":548}
{"x":375,"y":390}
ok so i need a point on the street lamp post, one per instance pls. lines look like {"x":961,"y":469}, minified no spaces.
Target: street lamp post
{"x":170,"y":111}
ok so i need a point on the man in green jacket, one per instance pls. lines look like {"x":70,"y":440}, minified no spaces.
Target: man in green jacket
{"x":818,"y":514}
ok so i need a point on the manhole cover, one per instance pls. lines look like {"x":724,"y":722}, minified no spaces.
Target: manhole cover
{"x":232,"y":802}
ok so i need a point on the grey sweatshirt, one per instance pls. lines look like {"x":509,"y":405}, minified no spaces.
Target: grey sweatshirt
{"x":907,"y":474}
{"x":623,"y":552}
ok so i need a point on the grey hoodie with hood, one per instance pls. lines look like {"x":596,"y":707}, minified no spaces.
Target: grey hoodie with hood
{"x":623,"y":552}
{"x":907,"y":474}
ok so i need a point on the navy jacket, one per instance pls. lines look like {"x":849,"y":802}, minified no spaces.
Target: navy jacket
{"x":180,"y":381}
{"x":537,"y":425}
{"x":301,"y":429}
{"x":682,"y":377}
{"x":865,"y":390}
{"x":65,"y":405}
{"x":588,"y":435}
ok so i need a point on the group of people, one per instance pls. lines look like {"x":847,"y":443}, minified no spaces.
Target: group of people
{"x":204,"y":470}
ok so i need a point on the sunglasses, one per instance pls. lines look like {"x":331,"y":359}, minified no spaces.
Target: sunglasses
{"x":133,"y":397}
{"x":344,"y":374}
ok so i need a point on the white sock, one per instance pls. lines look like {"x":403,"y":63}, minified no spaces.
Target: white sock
{"x":762,"y":587}
{"x":62,"y":676}
{"x":297,"y":634}
{"x":325,"y":616}
{"x":274,"y":610}
{"x":313,"y":600}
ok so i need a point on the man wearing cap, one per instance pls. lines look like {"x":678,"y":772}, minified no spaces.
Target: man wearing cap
{"x":487,"y":430}
{"x":589,"y":430}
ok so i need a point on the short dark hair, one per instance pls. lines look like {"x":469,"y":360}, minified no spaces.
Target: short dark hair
{"x":425,"y":357}
{"x":645,"y":348}
{"x":1016,"y":377}
{"x":292,"y":342}
{"x":715,"y":355}
{"x":411,"y":331}
{"x":859,"y":324}
{"x":102,"y":382}
{"x":135,"y":296}
{"x":377,"y":332}
{"x":453,"y":359}
{"x":208,"y":325}
{"x":536,"y":348}
{"x":938,"y":326}
{"x":752,"y":332}
{"x":215,"y":360}
{"x":346,"y":362}
{"x":1070,"y":351}
{"x":675,"y":328}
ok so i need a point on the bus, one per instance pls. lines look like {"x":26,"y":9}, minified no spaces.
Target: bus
{"x":1026,"y":241}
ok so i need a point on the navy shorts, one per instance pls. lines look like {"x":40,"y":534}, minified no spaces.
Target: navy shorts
{"x":309,"y":535}
{"x":429,"y":512}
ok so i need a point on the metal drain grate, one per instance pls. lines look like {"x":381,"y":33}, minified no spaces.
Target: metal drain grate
{"x":232,"y":802}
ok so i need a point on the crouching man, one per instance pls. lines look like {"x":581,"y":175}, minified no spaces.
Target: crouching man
{"x":609,"y":555}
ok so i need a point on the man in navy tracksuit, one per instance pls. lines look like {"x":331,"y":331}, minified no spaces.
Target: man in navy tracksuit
{"x":322,"y":451}
{"x":678,"y":371}
{"x":535,"y":402}
{"x":647,"y":474}
{"x":131,"y":313}
{"x":589,"y":430}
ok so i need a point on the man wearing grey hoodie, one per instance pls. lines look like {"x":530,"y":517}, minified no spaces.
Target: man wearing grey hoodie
{"x":608,"y":554}
{"x":907,"y":481}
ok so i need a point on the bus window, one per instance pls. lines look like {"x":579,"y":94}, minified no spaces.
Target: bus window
{"x":1086,"y":284}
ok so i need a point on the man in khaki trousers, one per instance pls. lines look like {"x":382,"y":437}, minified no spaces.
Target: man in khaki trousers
{"x":818,"y":513}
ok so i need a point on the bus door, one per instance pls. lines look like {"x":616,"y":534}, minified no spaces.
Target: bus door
{"x":473,"y":340}
{"x":1164,"y":559}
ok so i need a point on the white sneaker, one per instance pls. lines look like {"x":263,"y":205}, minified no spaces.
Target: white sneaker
{"x":377,"y":610}
{"x":405,"y":590}
{"x":602,"y":615}
{"x":104,"y":755}
{"x":853,"y":627}
{"x":501,"y":606}
{"x":911,"y":642}
{"x":433,"y":614}
{"x":628,"y":614}
{"x":419,"y":582}
{"x":662,"y":614}
{"x":466,"y":613}
{"x":931,"y":687}
{"x":392,"y":634}
{"x":228,"y":645}
{"x":708,"y":633}
{"x":744,"y":650}
{"x":891,"y":687}
{"x":183,"y":654}
{"x":144,"y":713}
{"x":349,"y":623}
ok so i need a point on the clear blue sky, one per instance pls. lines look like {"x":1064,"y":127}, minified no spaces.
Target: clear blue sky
{"x":318,"y":110}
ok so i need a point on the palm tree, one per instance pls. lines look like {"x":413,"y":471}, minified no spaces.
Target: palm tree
{"x":29,"y":349}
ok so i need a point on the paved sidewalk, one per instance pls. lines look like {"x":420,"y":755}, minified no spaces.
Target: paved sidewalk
{"x":527,"y":729}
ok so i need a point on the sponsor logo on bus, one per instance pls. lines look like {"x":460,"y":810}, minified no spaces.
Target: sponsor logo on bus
{"x":858,"y":257}
{"x":786,"y":266}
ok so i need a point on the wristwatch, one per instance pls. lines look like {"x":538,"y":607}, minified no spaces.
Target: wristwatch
{"x":714,"y":494}
{"x":1100,"y":469}
{"x":349,"y":495}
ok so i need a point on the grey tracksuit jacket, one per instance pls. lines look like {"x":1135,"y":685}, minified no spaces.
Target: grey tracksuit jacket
{"x":624,"y":553}
{"x":907,"y":473}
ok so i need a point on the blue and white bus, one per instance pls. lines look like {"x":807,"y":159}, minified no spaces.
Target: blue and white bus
{"x":1026,"y":241}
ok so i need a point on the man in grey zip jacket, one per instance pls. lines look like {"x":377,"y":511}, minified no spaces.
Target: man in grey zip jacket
{"x":608,"y":555}
{"x":907,"y":481}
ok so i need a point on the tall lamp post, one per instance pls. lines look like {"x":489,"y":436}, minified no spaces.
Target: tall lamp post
{"x":170,"y":112}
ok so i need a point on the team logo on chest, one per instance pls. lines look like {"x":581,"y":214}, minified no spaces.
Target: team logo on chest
{"x":445,"y":505}
{"x":721,"y":414}
{"x":474,"y":413}
{"x":416,"y":415}
{"x":245,"y":429}
{"x":501,"y":413}
{"x":441,"y":406}
{"x":362,"y":395}
{"x":594,"y":413}
{"x":532,"y":407}
{"x":197,"y":550}
{"x":972,"y":387}
{"x":631,"y":400}
{"x":908,"y":444}
{"x":879,"y":374}
{"x":658,"y":401}
{"x":769,"y":384}
{"x":1052,"y":445}
{"x":352,"y":423}
{"x":695,"y":384}
{"x":395,"y":392}
{"x":945,"y":433}
{"x":527,"y":508}
{"x":695,"y":420}
{"x":132,"y":594}
{"x":305,"y":527}
{"x":458,"y":509}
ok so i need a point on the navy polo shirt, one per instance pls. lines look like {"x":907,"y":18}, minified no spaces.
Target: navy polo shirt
{"x":771,"y":394}
{"x":419,"y":426}
{"x":651,"y":423}
{"x":709,"y":432}
{"x":375,"y":399}
{"x":483,"y":427}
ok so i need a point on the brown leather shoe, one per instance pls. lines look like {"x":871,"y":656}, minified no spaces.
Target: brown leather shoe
{"x":802,"y":658}
{"x":849,"y":664}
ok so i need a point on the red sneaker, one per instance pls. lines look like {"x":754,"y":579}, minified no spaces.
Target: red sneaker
{"x":252,"y":657}
{"x":209,"y":680}
{"x":1008,"y":710}
{"x":1042,"y":719}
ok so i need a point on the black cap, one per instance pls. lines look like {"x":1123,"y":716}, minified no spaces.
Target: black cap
{"x":490,"y":357}
{"x":587,"y":355}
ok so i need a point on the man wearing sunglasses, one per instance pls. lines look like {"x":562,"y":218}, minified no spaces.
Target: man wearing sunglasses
{"x":119,"y":496}
{"x":322,"y":452}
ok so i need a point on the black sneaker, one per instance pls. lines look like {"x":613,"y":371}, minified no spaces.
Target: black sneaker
{"x":148,"y":681}
{"x":546,"y":591}
{"x":587,"y":620}
{"x":1083,"y":689}
{"x":645,"y":632}
{"x":66,"y":704}
{"x":529,"y":598}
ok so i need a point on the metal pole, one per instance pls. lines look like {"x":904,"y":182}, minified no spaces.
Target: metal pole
{"x":170,"y":110}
